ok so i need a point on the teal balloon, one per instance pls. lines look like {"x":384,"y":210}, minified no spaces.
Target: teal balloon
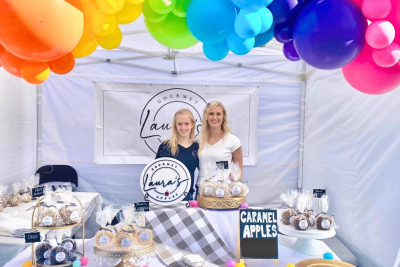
{"x":76,"y":263}
{"x":253,"y":5}
{"x":151,"y":15}
{"x":216,"y":52}
{"x":265,"y":37}
{"x":328,"y":256}
{"x":238,"y":45}
{"x":248,"y":24}
{"x":211,"y":21}
{"x":266,"y":18}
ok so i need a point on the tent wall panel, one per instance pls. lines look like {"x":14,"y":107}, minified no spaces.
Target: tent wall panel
{"x":352,"y":143}
{"x":17,"y":128}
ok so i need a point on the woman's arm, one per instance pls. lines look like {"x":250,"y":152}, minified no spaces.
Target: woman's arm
{"x":237,"y":156}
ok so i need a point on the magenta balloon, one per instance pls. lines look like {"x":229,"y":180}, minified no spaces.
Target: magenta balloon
{"x":367,"y":77}
{"x":380,"y":34}
{"x":376,"y":10}
{"x":388,"y":56}
{"x":394,"y":18}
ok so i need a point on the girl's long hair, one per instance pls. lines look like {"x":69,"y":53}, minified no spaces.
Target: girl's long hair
{"x":173,"y":141}
{"x":205,"y":128}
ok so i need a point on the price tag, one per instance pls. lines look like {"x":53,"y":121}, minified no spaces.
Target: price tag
{"x":318,"y":193}
{"x":38,"y":191}
{"x":32,"y":237}
{"x":142,"y":206}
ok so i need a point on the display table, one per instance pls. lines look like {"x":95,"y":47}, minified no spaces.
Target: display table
{"x":225,"y":224}
{"x":10,"y":247}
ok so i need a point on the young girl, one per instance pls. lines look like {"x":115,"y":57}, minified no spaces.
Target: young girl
{"x":181,"y":145}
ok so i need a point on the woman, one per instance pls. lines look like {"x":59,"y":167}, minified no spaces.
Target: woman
{"x":217,"y":144}
{"x":181,"y":145}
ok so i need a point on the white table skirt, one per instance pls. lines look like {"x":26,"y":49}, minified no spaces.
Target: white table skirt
{"x":225,"y":224}
{"x":10,"y":247}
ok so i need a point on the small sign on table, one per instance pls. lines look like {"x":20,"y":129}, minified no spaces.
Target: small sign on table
{"x":318,"y":193}
{"x":258,"y":234}
{"x":32,"y":237}
{"x":142,"y":206}
{"x":37,"y":192}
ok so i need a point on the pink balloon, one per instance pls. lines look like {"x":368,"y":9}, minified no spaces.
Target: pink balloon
{"x":367,"y":77}
{"x":375,"y":10}
{"x":394,"y":18}
{"x":380,"y":34}
{"x":388,"y":56}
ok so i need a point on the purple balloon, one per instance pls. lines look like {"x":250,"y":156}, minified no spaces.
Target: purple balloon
{"x":283,"y":33}
{"x":285,"y":10}
{"x":329,"y":34}
{"x":244,"y":206}
{"x":230,"y":263}
{"x":290,"y":51}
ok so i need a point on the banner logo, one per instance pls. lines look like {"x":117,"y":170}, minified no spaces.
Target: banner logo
{"x":159,"y":111}
{"x":165,"y":181}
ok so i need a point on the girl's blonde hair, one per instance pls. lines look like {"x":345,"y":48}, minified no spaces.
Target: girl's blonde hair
{"x":205,"y":128}
{"x":173,"y":141}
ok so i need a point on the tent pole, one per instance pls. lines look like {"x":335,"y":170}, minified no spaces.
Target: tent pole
{"x":39,"y":90}
{"x":303,"y":78}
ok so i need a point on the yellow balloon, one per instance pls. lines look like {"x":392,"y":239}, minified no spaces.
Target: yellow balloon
{"x":88,"y":9}
{"x":239,"y":265}
{"x":27,"y":264}
{"x":110,"y":6}
{"x":87,"y":44}
{"x":290,"y":265}
{"x":110,"y":41}
{"x":129,"y":13}
{"x":103,"y":24}
{"x":135,"y":2}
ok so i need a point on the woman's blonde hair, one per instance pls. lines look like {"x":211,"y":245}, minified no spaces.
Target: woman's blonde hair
{"x":173,"y":141}
{"x":205,"y":128}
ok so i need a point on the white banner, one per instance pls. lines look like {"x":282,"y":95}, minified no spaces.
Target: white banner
{"x":133,"y":119}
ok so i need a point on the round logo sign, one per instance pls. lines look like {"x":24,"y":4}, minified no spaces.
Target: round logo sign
{"x":165,"y":181}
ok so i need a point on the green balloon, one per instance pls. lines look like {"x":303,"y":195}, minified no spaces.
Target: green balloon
{"x":151,"y":15}
{"x":181,"y":8}
{"x":172,"y":32}
{"x":162,"y":6}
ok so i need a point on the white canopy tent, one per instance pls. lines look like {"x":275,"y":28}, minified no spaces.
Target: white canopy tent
{"x":314,"y":131}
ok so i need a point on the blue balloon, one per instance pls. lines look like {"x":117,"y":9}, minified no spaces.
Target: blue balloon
{"x":266,"y":18}
{"x":248,"y":24}
{"x":329,"y":34}
{"x":76,"y":263}
{"x":328,"y":256}
{"x":283,"y":33}
{"x":285,"y":10}
{"x":211,"y":21}
{"x":238,"y":45}
{"x":289,"y":51}
{"x":216,"y":51}
{"x":265,"y":37}
{"x":251,"y":5}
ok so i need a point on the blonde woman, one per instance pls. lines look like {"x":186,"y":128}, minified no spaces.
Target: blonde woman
{"x":217,"y":144}
{"x":181,"y":145}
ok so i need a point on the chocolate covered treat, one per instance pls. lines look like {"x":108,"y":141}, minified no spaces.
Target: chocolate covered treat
{"x":287,"y":214}
{"x":58,"y":255}
{"x":324,"y":222}
{"x":43,"y":250}
{"x":301,"y":222}
{"x":70,"y":214}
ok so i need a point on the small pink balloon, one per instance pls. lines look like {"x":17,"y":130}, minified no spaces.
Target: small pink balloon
{"x":367,"y":77}
{"x":230,"y":263}
{"x":244,"y":206}
{"x":380,"y":34}
{"x":84,"y":261}
{"x":376,"y":10}
{"x":194,"y":203}
{"x":394,"y":18}
{"x":387,"y":57}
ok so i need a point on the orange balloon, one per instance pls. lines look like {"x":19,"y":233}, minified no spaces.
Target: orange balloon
{"x":76,"y":3}
{"x":87,"y":44}
{"x":88,"y":9}
{"x":40,"y":29}
{"x":35,"y":72}
{"x":11,"y":63}
{"x":63,"y":64}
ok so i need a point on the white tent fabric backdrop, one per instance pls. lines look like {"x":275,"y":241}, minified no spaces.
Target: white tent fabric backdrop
{"x":351,"y":140}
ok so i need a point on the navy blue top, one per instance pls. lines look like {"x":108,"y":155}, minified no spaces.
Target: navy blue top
{"x":187,"y":156}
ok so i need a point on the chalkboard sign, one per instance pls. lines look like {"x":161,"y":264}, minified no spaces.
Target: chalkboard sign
{"x":318,"y":193}
{"x":142,"y":206}
{"x":258,"y":234}
{"x":37,"y":192}
{"x":32,"y":237}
